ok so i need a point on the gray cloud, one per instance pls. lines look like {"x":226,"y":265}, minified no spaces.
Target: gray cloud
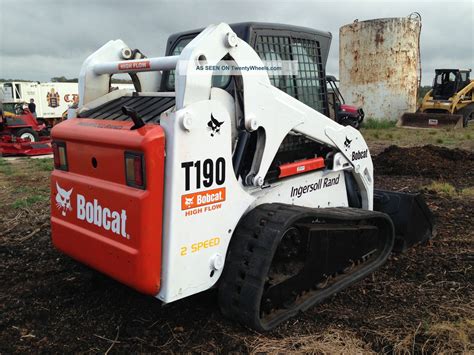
{"x":40,"y":39}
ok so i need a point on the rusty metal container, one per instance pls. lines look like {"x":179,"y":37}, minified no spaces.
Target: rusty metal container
{"x":379,"y":65}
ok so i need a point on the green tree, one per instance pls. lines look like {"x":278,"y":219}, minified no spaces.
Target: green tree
{"x":63,"y":79}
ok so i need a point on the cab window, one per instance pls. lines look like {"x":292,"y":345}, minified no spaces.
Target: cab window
{"x":220,"y":81}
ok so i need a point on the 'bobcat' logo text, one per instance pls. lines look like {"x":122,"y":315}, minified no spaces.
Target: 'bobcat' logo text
{"x":360,"y":154}
{"x":92,"y":212}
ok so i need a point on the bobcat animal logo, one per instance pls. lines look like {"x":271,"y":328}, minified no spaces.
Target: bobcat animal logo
{"x":189,"y":201}
{"x":214,"y":125}
{"x":63,"y":199}
{"x":347,"y":143}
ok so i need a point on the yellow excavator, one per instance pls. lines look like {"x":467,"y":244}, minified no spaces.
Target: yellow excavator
{"x":450,"y":103}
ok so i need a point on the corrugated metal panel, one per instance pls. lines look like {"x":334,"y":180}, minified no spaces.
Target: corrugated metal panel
{"x":149,"y":108}
{"x":378,"y":65}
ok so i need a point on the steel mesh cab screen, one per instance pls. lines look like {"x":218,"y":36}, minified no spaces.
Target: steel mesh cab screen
{"x":306,"y":84}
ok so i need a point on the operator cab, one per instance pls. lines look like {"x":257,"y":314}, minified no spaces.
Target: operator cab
{"x":274,"y":43}
{"x":448,"y":82}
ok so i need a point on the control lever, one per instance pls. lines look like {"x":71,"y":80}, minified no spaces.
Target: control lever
{"x":130,"y":112}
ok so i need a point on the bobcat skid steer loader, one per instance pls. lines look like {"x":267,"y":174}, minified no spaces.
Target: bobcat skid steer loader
{"x":223,"y":182}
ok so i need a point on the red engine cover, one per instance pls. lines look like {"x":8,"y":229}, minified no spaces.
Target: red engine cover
{"x":95,"y":217}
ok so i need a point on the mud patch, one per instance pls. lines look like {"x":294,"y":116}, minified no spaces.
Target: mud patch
{"x":428,"y":161}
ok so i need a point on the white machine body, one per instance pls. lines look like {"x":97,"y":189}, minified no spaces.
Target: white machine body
{"x":203,"y":199}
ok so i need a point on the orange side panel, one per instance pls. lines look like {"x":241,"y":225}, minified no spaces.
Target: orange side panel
{"x":95,"y":217}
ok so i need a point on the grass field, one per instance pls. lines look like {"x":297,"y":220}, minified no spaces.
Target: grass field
{"x":380,"y":135}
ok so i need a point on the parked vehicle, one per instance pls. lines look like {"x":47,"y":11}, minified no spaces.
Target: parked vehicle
{"x":450,"y":103}
{"x":22,"y":134}
{"x":344,"y":114}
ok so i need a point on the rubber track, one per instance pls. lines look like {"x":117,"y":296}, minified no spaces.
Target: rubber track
{"x":251,"y":251}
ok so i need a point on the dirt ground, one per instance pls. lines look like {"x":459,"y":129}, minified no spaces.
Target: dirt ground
{"x":420,"y":301}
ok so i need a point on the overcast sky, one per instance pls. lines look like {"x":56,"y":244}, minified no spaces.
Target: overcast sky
{"x":40,"y":39}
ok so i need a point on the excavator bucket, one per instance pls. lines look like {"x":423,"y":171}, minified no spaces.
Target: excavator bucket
{"x":430,"y":120}
{"x":413,"y":221}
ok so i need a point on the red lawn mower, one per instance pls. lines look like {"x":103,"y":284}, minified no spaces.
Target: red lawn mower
{"x":22,"y":135}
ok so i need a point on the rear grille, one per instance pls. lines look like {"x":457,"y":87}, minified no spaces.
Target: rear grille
{"x":149,"y":108}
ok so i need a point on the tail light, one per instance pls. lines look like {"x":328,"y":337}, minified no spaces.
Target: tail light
{"x":60,"y":155}
{"x":135,"y":170}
